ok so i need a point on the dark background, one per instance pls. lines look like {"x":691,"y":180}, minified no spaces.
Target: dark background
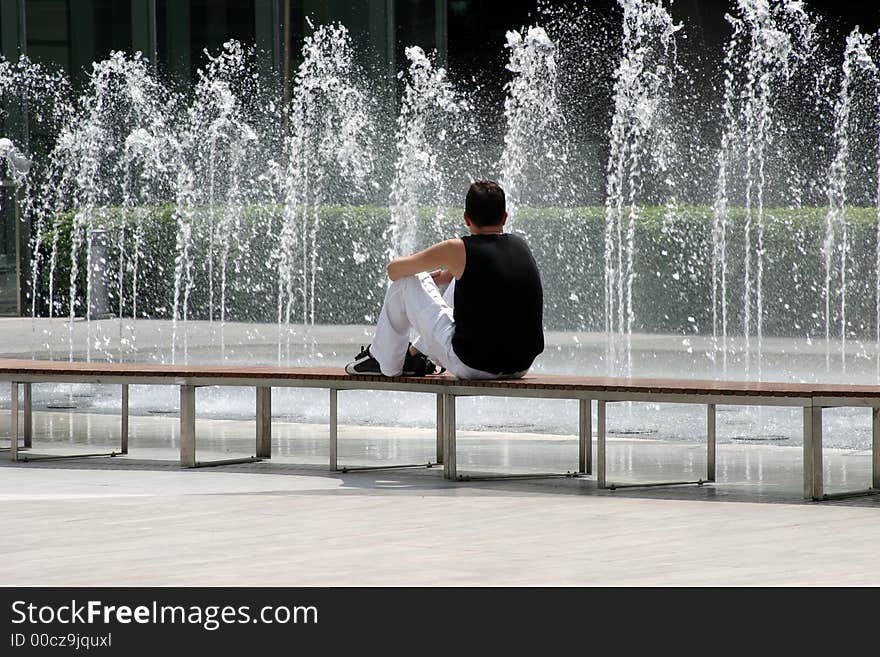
{"x":477,"y":54}
{"x":476,"y":28}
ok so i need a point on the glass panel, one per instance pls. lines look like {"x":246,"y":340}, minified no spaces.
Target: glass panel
{"x":48,"y":36}
{"x":112,"y":25}
{"x":47,"y":20}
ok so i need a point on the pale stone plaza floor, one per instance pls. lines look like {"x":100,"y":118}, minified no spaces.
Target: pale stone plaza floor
{"x":141,"y":520}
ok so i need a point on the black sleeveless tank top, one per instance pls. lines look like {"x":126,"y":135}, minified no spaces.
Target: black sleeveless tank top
{"x":499,"y":305}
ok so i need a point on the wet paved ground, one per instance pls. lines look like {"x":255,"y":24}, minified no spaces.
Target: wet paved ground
{"x":139,"y":519}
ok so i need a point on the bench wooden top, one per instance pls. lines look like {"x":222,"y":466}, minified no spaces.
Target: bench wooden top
{"x":10,"y":368}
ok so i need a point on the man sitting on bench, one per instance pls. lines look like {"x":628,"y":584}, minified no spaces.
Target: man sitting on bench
{"x":488,"y":323}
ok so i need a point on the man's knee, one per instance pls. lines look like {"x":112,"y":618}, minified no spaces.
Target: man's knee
{"x":406,"y":280}
{"x":396,"y":287}
{"x":422,"y":279}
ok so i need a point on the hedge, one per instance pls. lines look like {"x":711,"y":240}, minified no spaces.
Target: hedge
{"x":673,"y":265}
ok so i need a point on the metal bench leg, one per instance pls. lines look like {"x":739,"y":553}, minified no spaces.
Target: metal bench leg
{"x":28,"y":416}
{"x":188,"y":426}
{"x":450,"y":471}
{"x":264,"y":422}
{"x":875,"y":448}
{"x":13,"y":423}
{"x":602,"y":481}
{"x":585,"y":429}
{"x":28,"y":421}
{"x":813,"y":485}
{"x":808,"y":453}
{"x":334,"y":434}
{"x":584,"y":462}
{"x":818,"y":470}
{"x":188,"y":434}
{"x":600,"y":435}
{"x":360,"y":468}
{"x":710,"y":444}
{"x":441,"y":427}
{"x":123,"y":440}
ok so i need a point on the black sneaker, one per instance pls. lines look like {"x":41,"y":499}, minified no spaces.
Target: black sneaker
{"x":419,"y":365}
{"x":363,"y":363}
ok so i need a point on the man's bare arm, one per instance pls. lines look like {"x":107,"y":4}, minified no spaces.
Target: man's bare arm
{"x":443,"y":255}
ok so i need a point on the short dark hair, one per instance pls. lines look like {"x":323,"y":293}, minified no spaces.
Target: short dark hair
{"x":485,"y":203}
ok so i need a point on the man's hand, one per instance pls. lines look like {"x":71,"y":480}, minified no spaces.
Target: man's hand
{"x":442,"y":276}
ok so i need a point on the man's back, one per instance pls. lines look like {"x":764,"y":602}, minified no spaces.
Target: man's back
{"x":498,"y":305}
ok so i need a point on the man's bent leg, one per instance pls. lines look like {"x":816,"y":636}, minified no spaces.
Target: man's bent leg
{"x":420,"y":344}
{"x":392,"y":331}
{"x":413,"y":301}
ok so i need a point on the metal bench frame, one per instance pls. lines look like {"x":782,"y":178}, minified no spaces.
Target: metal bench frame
{"x":812,"y":399}
{"x":28,"y":427}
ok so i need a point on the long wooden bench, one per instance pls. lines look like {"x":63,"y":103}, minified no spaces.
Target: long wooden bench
{"x":812,"y":398}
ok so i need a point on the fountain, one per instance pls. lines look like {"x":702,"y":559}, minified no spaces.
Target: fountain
{"x":30,"y":90}
{"x":221,"y":181}
{"x":859,"y":77}
{"x":535,"y":151}
{"x":640,"y":148}
{"x":117,"y":132}
{"x":770,"y":41}
{"x":429,"y":121}
{"x":329,"y":146}
{"x":239,"y":228}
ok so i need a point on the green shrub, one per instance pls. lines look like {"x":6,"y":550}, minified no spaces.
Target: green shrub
{"x":673,"y":265}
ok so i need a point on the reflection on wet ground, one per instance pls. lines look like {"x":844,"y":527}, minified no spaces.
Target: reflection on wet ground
{"x":748,"y":471}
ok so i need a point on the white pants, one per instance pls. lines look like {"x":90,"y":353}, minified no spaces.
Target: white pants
{"x":415,"y":302}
